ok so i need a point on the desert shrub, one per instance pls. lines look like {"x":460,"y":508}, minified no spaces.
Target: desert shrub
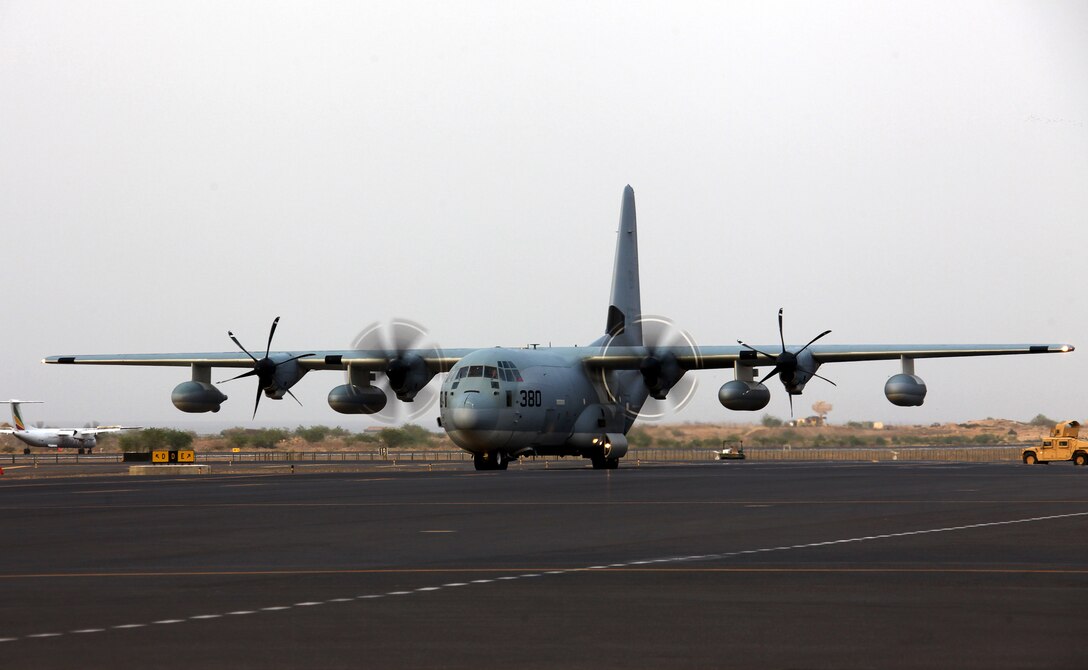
{"x":255,"y":438}
{"x":313,"y":434}
{"x":151,"y":439}
{"x":639,"y":438}
{"x":407,"y":436}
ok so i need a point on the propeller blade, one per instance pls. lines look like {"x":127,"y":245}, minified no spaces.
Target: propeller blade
{"x":258,"y":402}
{"x":826,"y":332}
{"x":761,"y":353}
{"x":405,"y":335}
{"x":818,"y":376}
{"x":244,"y":374}
{"x":770,"y":374}
{"x":294,"y":398}
{"x":791,"y":404}
{"x":271,"y":332}
{"x":235,"y":340}
{"x":295,"y":358}
{"x":781,"y":335}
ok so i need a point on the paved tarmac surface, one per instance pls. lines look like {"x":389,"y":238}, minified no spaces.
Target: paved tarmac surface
{"x":772,"y":565}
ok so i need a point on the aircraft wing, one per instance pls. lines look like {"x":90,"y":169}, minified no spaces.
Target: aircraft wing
{"x":611,"y":358}
{"x":704,"y":358}
{"x":108,"y":429}
{"x":365,"y":359}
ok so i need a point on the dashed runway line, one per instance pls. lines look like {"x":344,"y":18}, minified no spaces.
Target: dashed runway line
{"x":529,"y":575}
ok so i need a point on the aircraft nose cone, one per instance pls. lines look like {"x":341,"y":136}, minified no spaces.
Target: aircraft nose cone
{"x":474,"y":413}
{"x":465,"y":418}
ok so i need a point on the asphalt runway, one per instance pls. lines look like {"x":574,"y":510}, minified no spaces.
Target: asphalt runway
{"x":770,"y":565}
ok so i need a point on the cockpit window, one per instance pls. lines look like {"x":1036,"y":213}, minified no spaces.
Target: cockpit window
{"x":475,"y":371}
{"x":462,"y":373}
{"x":509,"y":371}
{"x":491,"y":372}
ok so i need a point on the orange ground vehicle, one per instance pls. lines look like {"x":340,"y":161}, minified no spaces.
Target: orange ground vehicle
{"x":1062,"y":445}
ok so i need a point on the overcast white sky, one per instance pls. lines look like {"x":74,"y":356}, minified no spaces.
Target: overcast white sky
{"x":911,"y":172}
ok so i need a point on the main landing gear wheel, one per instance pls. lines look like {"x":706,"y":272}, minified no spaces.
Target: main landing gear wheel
{"x":26,"y":451}
{"x":602,"y":463}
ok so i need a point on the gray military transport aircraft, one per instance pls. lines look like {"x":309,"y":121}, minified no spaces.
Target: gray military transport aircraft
{"x":500,"y":403}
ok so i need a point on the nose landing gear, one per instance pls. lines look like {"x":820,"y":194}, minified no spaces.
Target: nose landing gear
{"x":490,"y":460}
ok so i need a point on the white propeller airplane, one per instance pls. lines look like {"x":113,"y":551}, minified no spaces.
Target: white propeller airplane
{"x":501,"y":403}
{"x":83,"y":439}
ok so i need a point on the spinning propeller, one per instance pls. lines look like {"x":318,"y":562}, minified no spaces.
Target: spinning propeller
{"x":786,"y":364}
{"x":405,"y":344}
{"x":265,"y":368}
{"x":669,"y":388}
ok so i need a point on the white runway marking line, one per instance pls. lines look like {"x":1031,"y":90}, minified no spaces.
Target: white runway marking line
{"x":674,"y":559}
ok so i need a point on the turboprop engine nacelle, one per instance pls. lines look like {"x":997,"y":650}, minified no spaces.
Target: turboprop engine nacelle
{"x":353,"y":399}
{"x":614,"y":445}
{"x":905,"y":390}
{"x":195,"y":397}
{"x":407,"y":376}
{"x":744,"y":396}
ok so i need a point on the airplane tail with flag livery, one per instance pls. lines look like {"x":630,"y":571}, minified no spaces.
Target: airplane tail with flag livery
{"x":16,"y":415}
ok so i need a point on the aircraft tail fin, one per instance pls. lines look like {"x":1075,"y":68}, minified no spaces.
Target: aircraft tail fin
{"x":16,"y":415}
{"x":625,"y":307}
